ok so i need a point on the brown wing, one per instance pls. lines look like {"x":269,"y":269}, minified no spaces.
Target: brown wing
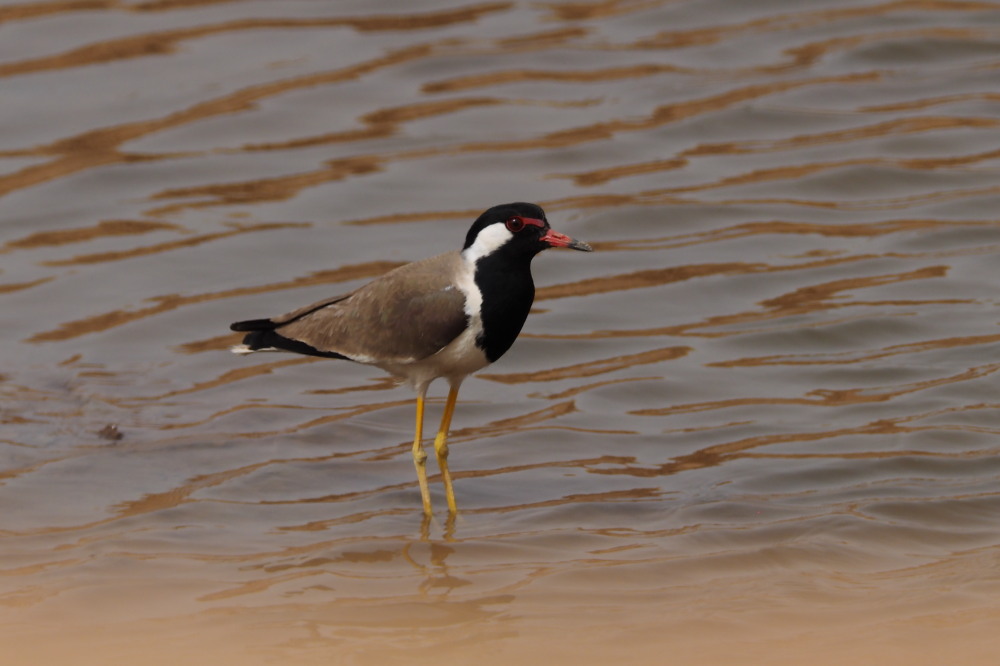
{"x":407,"y":314}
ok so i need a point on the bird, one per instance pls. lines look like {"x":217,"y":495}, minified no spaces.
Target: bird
{"x":445,"y":317}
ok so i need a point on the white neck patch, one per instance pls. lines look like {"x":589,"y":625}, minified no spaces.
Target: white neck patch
{"x":487,"y":241}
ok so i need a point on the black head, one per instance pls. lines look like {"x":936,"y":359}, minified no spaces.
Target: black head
{"x":516,"y":229}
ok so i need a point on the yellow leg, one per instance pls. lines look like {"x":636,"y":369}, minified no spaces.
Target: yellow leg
{"x":420,"y":456}
{"x":441,"y":447}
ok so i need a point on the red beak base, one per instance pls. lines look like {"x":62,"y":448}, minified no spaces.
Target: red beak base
{"x":556,"y":239}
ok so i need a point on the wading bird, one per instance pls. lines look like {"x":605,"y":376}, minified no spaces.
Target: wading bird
{"x":447,"y":316}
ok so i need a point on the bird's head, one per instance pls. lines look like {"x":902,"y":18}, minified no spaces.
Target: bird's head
{"x":518,"y":229}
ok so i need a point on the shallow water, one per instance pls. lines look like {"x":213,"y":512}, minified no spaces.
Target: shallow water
{"x":758,"y":425}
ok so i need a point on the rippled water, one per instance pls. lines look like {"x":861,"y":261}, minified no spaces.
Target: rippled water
{"x":758,"y":425}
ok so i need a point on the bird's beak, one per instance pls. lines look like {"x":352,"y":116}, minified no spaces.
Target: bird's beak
{"x":556,"y":239}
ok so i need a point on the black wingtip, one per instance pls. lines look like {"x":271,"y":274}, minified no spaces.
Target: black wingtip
{"x":252,"y":325}
{"x":271,"y":340}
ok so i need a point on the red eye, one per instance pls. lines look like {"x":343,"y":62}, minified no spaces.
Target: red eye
{"x":514,"y":224}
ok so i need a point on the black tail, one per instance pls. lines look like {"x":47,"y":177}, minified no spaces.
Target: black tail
{"x":253,"y":325}
{"x":262,"y":334}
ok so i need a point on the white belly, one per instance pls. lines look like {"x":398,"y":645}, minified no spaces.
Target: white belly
{"x":460,"y":358}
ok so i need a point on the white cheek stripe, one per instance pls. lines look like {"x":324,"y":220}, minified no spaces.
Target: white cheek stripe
{"x":487,"y":241}
{"x":466,"y":283}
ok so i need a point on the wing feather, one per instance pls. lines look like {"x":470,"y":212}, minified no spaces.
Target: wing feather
{"x":406,"y":315}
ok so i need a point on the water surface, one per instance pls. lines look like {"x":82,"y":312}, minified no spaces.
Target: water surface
{"x":757,"y":425}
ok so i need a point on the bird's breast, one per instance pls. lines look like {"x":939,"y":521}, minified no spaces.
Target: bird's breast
{"x":505,"y":292}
